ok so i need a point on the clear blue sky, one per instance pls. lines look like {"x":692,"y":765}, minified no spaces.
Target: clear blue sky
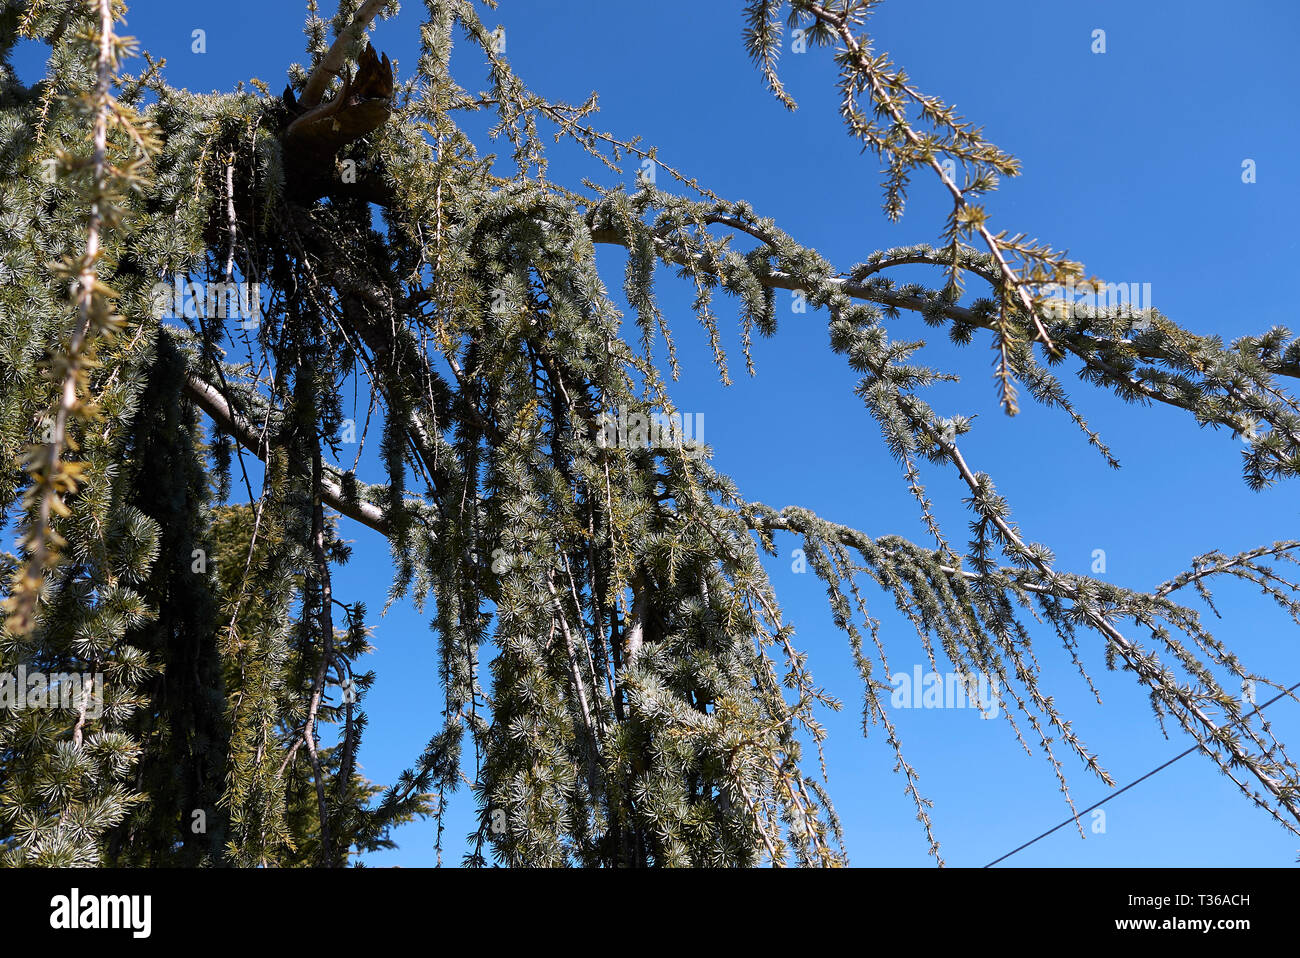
{"x":1132,"y":161}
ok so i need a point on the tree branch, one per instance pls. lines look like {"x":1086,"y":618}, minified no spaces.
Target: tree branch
{"x":210,"y":400}
{"x":331,"y":65}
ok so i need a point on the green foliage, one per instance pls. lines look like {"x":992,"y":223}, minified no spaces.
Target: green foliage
{"x":643,"y":701}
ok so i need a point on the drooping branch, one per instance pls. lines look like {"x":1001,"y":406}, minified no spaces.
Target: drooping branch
{"x":756,"y":517}
{"x":311,"y":142}
{"x":1220,"y":386}
{"x":1207,"y":733}
{"x":1061,"y":585}
{"x":1079,"y":343}
{"x":385,"y":330}
{"x":52,"y":476}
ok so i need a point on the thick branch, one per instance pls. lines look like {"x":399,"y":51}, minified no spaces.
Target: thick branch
{"x":1078,"y":344}
{"x":210,"y":400}
{"x":331,"y":65}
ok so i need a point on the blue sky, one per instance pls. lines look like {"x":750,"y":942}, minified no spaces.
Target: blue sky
{"x":1132,"y":161}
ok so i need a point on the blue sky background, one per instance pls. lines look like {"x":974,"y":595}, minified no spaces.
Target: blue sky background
{"x":1132,"y":161}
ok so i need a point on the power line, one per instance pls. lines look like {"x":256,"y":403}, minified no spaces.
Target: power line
{"x":1136,"y":781}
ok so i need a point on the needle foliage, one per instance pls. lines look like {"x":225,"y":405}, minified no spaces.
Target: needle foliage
{"x":618,"y":685}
